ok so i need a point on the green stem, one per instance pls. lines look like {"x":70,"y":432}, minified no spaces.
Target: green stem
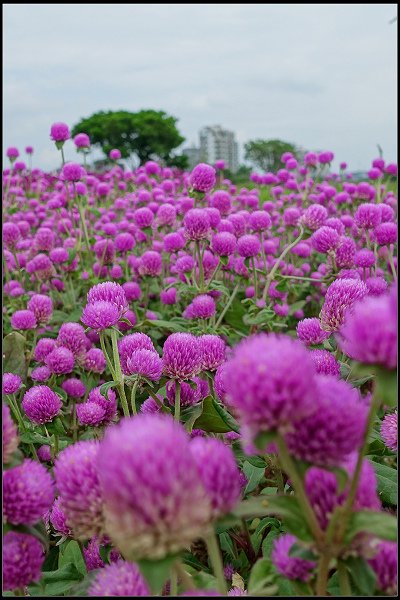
{"x":201,"y":266}
{"x":213,"y":276}
{"x":391,"y":262}
{"x":173,"y":584}
{"x":323,"y":574}
{"x":344,"y":583}
{"x":74,"y":423}
{"x":108,"y":361}
{"x":232,"y":296}
{"x":276,"y":266}
{"x":290,"y":468}
{"x":17,"y":413}
{"x":133,"y":396}
{"x":255,"y":278}
{"x":187,"y":580}
{"x":214,"y":554}
{"x":118,"y":373}
{"x":83,"y":221}
{"x":177,"y":414}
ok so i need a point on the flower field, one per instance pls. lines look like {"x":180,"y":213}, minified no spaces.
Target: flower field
{"x":199,"y":379}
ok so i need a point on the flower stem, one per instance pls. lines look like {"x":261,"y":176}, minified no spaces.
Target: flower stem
{"x":344,"y":582}
{"x":227,"y":305}
{"x":201,"y":266}
{"x":108,"y":361}
{"x":133,"y":396}
{"x":274,"y":269}
{"x":216,"y":561}
{"x":323,"y":574}
{"x":187,"y":580}
{"x":118,"y":373}
{"x":290,"y":468}
{"x":255,"y":278}
{"x":177,"y":413}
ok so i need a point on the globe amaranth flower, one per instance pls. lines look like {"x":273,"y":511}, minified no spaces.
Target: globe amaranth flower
{"x":364,"y":258}
{"x":144,"y":363}
{"x":23,"y":320}
{"x":221,"y":200}
{"x":213,"y":351}
{"x":108,"y":403}
{"x":202,"y":178}
{"x":11,"y":234}
{"x":143,"y":217}
{"x":219,"y":383}
{"x":151,"y":516}
{"x":124,"y":242}
{"x":115,"y":154}
{"x":322,"y":489}
{"x":132,"y":291}
{"x":128,"y":344}
{"x":12,"y":153}
{"x":119,"y":579}
{"x":202,"y":307}
{"x":340,"y":296}
{"x":82,"y":140}
{"x":219,"y":473}
{"x":75,"y":388}
{"x":367,"y":216}
{"x":60,"y":361}
{"x":104,"y":251}
{"x":42,"y":308}
{"x":325,"y":363}
{"x":270,"y":382}
{"x":376,"y":286}
{"x":92,"y":555}
{"x":197,"y":224}
{"x":44,"y":453}
{"x":28,"y":492}
{"x":223,"y":243}
{"x":71,"y":336}
{"x":150,"y":264}
{"x":385,"y":234}
{"x":259,"y":220}
{"x":310,"y":333}
{"x":168,"y":297}
{"x":10,"y":435}
{"x":59,"y":132}
{"x":369,"y":332}
{"x":248,"y":246}
{"x":292,"y":567}
{"x":325,"y":239}
{"x":182,"y":356}
{"x":389,"y":431}
{"x":384,"y":564}
{"x":315,"y":216}
{"x":173,"y":242}
{"x":23,"y":557}
{"x":58,"y":519}
{"x":90,"y":413}
{"x":94,"y":361}
{"x":11,"y":383}
{"x":78,"y":485}
{"x":109,"y":292}
{"x":72,"y":172}
{"x":41,"y":374}
{"x":41,"y":404}
{"x":100,"y":315}
{"x":188,"y":395}
{"x":335,"y":428}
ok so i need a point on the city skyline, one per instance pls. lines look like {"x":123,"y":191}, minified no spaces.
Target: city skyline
{"x":306,"y":74}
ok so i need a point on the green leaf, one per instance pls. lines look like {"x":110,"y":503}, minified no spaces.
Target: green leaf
{"x":190,"y":415}
{"x":386,"y":386}
{"x":169,"y":325}
{"x":361,"y":574}
{"x":107,"y":386}
{"x":30,"y":437}
{"x":156,"y":572}
{"x":215,"y":418}
{"x":254,"y":476}
{"x":71,"y":553}
{"x":265,"y":523}
{"x":381,"y":524}
{"x":296,"y":306}
{"x":56,"y":427}
{"x":14,"y":360}
{"x":281,"y":286}
{"x":301,"y":552}
{"x":268,"y":542}
{"x":71,"y":254}
{"x":60,"y":581}
{"x":387,"y":483}
{"x":261,"y":574}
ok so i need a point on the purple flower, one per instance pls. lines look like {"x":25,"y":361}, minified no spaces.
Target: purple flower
{"x":129,"y":344}
{"x":150,"y":264}
{"x":202,"y":307}
{"x":60,"y":361}
{"x":384,"y":563}
{"x":58,"y":519}
{"x":292,"y":567}
{"x":151,"y":516}
{"x":92,"y":555}
{"x":124,"y":242}
{"x":109,"y":292}
{"x":270,"y":382}
{"x":82,"y":140}
{"x":385,"y":234}
{"x":72,"y":336}
{"x":259,"y":220}
{"x":23,"y":320}
{"x":369,"y":332}
{"x":23,"y":557}
{"x":182,"y":356}
{"x":376,"y":286}
{"x":44,"y":453}
{"x":105,"y":251}
{"x":173,"y":242}
{"x":223,"y":243}
{"x":143,"y":217}
{"x":28,"y":492}
{"x":367,"y":216}
{"x":364,"y":258}
{"x":115,"y":154}
{"x":219,"y":383}
{"x":72,"y":172}
{"x":188,"y":395}
{"x":144,"y":363}
{"x":12,"y":153}
{"x":202,"y":178}
{"x":75,"y":388}
{"x":315,"y":216}
{"x":310,"y":333}
{"x":41,"y":374}
{"x":90,"y":413}
{"x":100,"y":315}
{"x":196,"y":223}
{"x":325,"y":363}
{"x":119,"y":579}
{"x":41,"y":404}
{"x":248,"y":246}
{"x":221,"y":200}
{"x":78,"y":484}
{"x":166,"y":215}
{"x":108,"y":404}
{"x":389,"y":431}
{"x":11,"y":234}
{"x":219,"y":473}
{"x":10,"y":435}
{"x":11,"y":383}
{"x":340,"y":296}
{"x":168,"y":297}
{"x":59,"y":132}
{"x":94,"y":360}
{"x":325,"y":239}
{"x":42,"y":307}
{"x":334,"y":429}
{"x":213,"y":349}
{"x":132,"y":291}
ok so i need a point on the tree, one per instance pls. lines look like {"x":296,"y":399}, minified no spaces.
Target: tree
{"x":149,"y":134}
{"x":266,"y":154}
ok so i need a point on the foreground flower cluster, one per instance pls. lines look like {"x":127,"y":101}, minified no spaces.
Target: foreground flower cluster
{"x":200,"y":380}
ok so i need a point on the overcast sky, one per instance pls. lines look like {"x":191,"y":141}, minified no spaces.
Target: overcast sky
{"x":321,"y":76}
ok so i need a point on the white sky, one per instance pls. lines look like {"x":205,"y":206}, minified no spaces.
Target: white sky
{"x":322,"y":76}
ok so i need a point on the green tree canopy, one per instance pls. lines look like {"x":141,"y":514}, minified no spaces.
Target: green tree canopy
{"x":266,"y":154}
{"x":149,"y":134}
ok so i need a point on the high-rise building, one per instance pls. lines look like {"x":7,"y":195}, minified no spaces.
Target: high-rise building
{"x":217,"y":143}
